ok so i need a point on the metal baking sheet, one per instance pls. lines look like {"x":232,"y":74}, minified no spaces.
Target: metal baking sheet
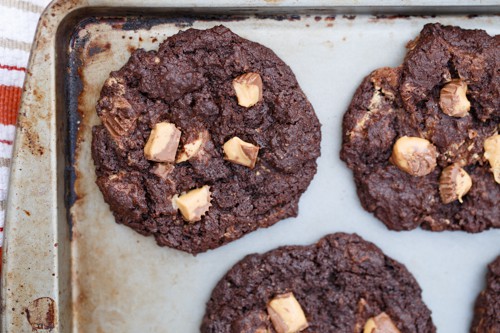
{"x":69,"y":268}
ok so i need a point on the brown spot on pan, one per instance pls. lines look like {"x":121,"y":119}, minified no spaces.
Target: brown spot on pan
{"x":277,"y":17}
{"x":389,"y":17}
{"x":41,"y":314}
{"x":96,"y":48}
{"x":31,"y":140}
{"x":131,"y":48}
{"x":117,"y":25}
{"x":38,"y":95}
{"x":27,"y":212}
{"x":63,"y":6}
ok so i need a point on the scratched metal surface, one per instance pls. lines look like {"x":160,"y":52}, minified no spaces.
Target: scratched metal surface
{"x":111,"y":279}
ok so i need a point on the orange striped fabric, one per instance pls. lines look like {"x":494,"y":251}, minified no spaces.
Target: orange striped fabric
{"x":18,"y":20}
{"x":10,"y":98}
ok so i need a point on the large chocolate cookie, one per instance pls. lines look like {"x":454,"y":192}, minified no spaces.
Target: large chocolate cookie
{"x":487,"y":310}
{"x":422,"y":138}
{"x":340,"y":284}
{"x":204,"y":140}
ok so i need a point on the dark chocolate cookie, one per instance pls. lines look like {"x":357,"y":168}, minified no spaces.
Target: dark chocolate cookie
{"x":340,"y":284}
{"x":422,"y":138}
{"x":487,"y":309}
{"x":204,"y":140}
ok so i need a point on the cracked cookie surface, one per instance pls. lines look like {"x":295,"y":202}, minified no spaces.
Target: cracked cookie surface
{"x":340,"y":283}
{"x":188,"y":82}
{"x":408,"y":101}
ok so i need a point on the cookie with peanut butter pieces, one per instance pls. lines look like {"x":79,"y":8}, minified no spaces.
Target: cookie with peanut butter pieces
{"x":204,"y":140}
{"x":422,"y":139}
{"x":340,"y":284}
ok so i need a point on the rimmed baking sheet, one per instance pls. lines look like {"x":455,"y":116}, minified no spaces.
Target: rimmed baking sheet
{"x":130,"y":284}
{"x":121,"y":281}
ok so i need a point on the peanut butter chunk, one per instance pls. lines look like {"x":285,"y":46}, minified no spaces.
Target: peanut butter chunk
{"x":162,"y":143}
{"x":240,"y":152}
{"x":454,"y":183}
{"x":380,"y":324}
{"x":414,"y":155}
{"x":248,"y":88}
{"x":194,"y":204}
{"x":286,"y":314}
{"x":453,"y":100}
{"x":492,"y":154}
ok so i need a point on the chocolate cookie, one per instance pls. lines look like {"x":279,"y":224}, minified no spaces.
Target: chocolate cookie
{"x":204,"y":140}
{"x":422,"y":138}
{"x":487,"y":309}
{"x":340,"y":284}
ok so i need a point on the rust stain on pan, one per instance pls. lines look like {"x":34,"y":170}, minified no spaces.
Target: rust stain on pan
{"x":131,"y":48}
{"x":31,"y":140}
{"x":41,"y":314}
{"x":96,"y":48}
{"x":278,"y":17}
{"x":145,"y":24}
{"x":48,"y":22}
{"x":391,"y":17}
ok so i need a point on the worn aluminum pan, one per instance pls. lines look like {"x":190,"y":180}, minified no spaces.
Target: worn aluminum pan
{"x":110,"y":279}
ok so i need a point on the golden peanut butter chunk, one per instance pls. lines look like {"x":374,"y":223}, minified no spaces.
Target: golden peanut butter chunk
{"x":286,"y":314}
{"x":248,"y":88}
{"x":193,"y":204}
{"x":414,"y":155}
{"x":191,"y":149}
{"x":162,"y":143}
{"x":454,"y":183}
{"x":240,"y":152}
{"x":380,"y":324}
{"x":492,"y":154}
{"x":453,"y":99}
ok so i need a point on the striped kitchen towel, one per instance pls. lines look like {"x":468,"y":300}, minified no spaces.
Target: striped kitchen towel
{"x":18,"y":20}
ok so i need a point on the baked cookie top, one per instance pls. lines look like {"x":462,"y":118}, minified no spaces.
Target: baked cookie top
{"x":340,"y":284}
{"x":487,"y":309}
{"x":422,"y":138}
{"x":204,"y":140}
